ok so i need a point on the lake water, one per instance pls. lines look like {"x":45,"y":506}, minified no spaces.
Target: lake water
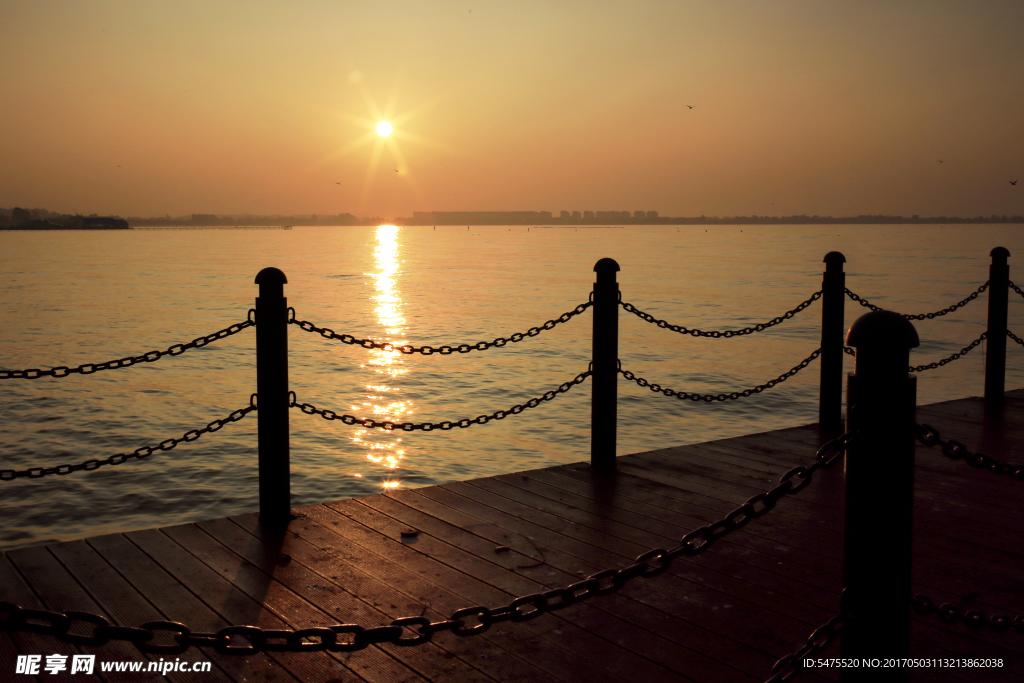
{"x":68,"y":298}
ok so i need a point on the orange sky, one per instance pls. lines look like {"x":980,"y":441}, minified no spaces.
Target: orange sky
{"x":830,"y":108}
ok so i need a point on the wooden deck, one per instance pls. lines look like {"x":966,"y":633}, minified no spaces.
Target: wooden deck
{"x":725,"y":615}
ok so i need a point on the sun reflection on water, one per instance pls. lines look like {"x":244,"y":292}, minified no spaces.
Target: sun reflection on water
{"x":381,"y":401}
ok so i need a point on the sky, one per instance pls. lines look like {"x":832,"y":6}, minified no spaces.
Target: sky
{"x":798,"y":107}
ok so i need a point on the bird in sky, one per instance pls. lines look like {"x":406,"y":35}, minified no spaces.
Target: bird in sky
{"x":1014,"y":182}
{"x":396,"y":170}
{"x":941,"y":161}
{"x":689,"y":106}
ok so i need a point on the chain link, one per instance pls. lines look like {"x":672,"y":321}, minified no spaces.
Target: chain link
{"x":1015,"y":338}
{"x":850,"y":351}
{"x":370,"y":423}
{"x":148,"y":357}
{"x":958,"y":354}
{"x":973,"y":618}
{"x":467,"y":621}
{"x":708,"y":398}
{"x":1015,"y":287}
{"x":952,"y":448}
{"x":923,"y":316}
{"x":817,"y":642}
{"x":715,"y":333}
{"x":139,"y":453}
{"x":445,"y":350}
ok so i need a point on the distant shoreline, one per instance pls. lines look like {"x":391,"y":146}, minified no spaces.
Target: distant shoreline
{"x":61,"y":227}
{"x":706,"y":221}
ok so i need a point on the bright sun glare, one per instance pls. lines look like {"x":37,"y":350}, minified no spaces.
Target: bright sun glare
{"x":384,"y":129}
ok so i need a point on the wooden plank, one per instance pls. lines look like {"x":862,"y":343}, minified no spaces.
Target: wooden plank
{"x":791,"y":589}
{"x":397,"y":593}
{"x":936,"y":534}
{"x":640,"y":500}
{"x":340,"y":590}
{"x":931,"y":466}
{"x":983,"y":532}
{"x":60,"y":592}
{"x":455,"y":589}
{"x":615,"y":635}
{"x":231,"y":604}
{"x":607,"y":659}
{"x":176,"y":602}
{"x":785,"y":515}
{"x":17,"y":591}
{"x":673,"y":620}
{"x":262,"y":584}
{"x":672,"y":595}
{"x":767,"y":566}
{"x":958,"y":491}
{"x":122,"y":604}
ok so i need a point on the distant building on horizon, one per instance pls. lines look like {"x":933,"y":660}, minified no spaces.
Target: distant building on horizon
{"x":480,"y":217}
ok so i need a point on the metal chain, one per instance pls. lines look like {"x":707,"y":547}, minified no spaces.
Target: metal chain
{"x":972,"y":617}
{"x":952,"y":448}
{"x":817,"y":642}
{"x":1015,"y":338}
{"x":445,"y":350}
{"x":850,"y":351}
{"x":148,"y":357}
{"x":1015,"y":287}
{"x":923,"y":316}
{"x":140,"y":453}
{"x":310,"y":409}
{"x":708,"y":398}
{"x":467,"y":621}
{"x":958,"y":354}
{"x":715,"y":333}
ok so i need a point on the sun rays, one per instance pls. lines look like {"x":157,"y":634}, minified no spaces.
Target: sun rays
{"x":385,"y":132}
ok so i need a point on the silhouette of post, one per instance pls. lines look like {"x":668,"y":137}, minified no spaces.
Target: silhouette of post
{"x":881,"y":398}
{"x":833,"y":301}
{"x":605,"y":366}
{"x":272,"y":397}
{"x":995,"y":345}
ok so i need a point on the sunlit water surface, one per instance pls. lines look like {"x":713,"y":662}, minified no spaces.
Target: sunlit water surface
{"x":68,"y":298}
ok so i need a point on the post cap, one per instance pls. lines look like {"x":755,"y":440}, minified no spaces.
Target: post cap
{"x":606,"y":265}
{"x":880,"y":329}
{"x":271,"y":276}
{"x":834,"y":257}
{"x":1000,"y":252}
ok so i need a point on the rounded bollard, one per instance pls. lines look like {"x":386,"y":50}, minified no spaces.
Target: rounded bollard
{"x":995,"y":343}
{"x":605,"y":366}
{"x":272,"y":397}
{"x":830,"y":386}
{"x":881,"y":399}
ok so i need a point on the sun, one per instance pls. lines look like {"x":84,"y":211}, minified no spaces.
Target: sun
{"x":384,"y":130}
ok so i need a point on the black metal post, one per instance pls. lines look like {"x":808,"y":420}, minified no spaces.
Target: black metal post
{"x":833,"y":301}
{"x":605,"y":366}
{"x":881,"y":399}
{"x":995,"y":345}
{"x":272,"y":397}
